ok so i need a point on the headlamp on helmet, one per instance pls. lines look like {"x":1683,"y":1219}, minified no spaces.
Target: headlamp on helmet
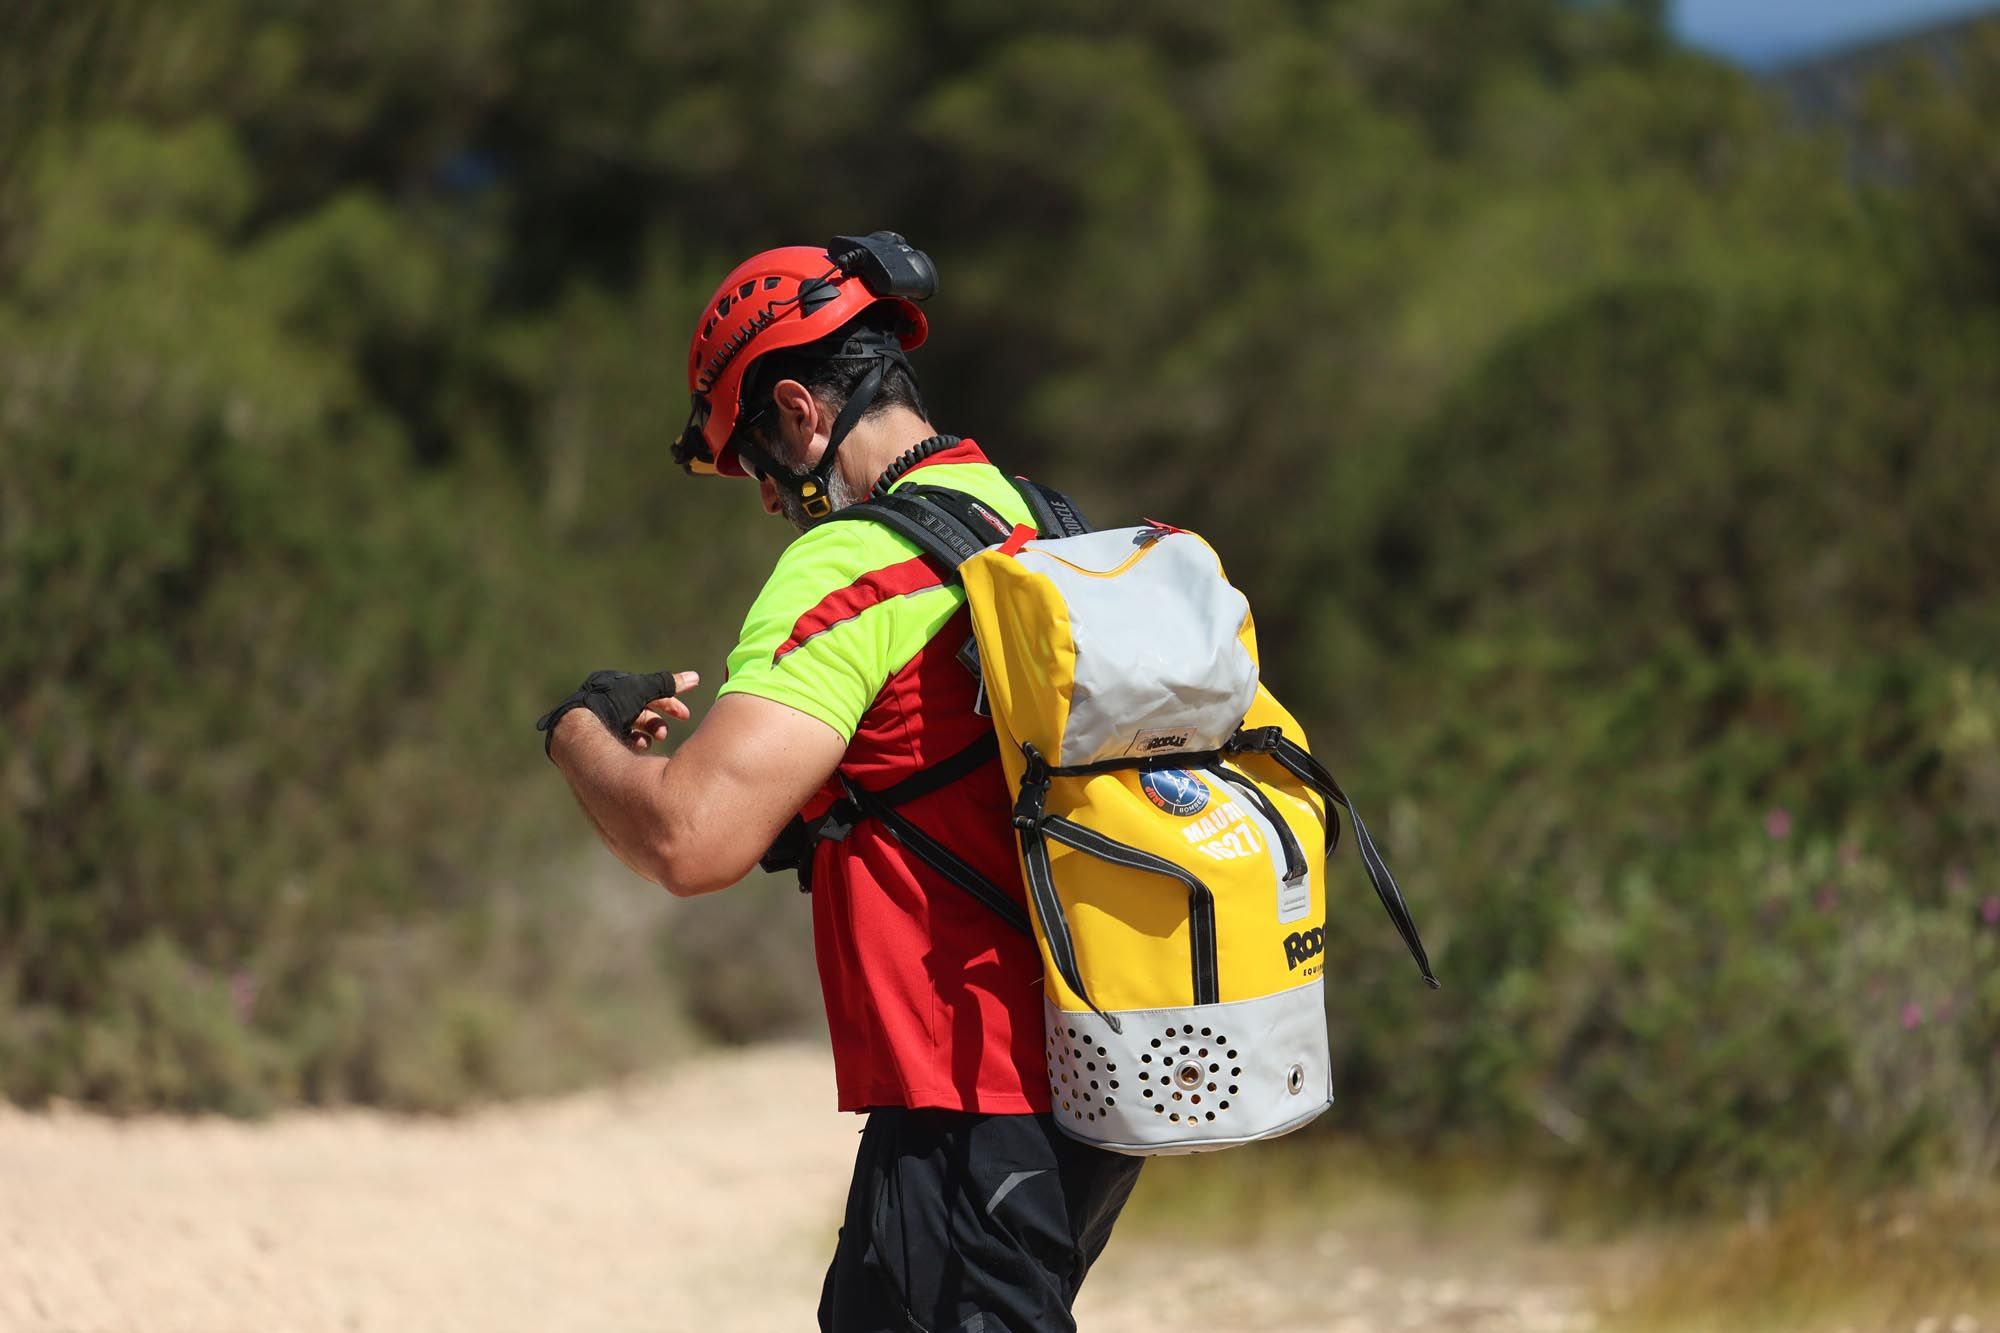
{"x":887,"y":264}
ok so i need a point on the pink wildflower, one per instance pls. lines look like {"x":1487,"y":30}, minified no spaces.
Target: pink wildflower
{"x":1826,"y":898}
{"x":1913,"y":1016}
{"x":242,"y":994}
{"x":1778,"y":823}
{"x":1989,"y":911}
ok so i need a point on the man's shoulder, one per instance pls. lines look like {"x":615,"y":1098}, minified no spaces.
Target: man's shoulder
{"x":835,"y":554}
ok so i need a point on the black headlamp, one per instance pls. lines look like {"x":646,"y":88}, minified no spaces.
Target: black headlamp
{"x":887,"y":264}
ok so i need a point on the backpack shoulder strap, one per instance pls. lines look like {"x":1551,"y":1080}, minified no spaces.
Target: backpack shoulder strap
{"x":986,"y":525}
{"x":945,"y":530}
{"x":1056,"y":515}
{"x":951,"y":527}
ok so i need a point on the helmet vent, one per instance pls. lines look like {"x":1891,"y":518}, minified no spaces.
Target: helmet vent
{"x":737,"y":342}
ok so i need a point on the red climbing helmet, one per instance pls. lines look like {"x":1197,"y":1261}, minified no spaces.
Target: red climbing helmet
{"x":791,"y":297}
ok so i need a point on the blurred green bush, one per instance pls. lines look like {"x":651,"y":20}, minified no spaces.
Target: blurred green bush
{"x":1613,"y":462}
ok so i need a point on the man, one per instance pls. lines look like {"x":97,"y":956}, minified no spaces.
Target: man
{"x":969,"y":1209}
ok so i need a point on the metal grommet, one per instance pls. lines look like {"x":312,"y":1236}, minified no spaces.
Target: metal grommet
{"x":1188,"y":1074}
{"x":1295,"y":1079}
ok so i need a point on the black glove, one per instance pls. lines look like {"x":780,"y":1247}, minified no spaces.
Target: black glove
{"x":616,"y":697}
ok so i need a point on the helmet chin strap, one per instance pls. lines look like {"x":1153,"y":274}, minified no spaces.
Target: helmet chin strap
{"x":810,"y":485}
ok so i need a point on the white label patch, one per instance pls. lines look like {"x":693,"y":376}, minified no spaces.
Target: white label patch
{"x":1295,"y":897}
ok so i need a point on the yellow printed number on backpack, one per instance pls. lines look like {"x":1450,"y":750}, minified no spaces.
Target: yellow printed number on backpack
{"x":1172,"y":827}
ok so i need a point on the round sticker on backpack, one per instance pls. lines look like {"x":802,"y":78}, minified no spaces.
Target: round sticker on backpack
{"x":1174,"y":790}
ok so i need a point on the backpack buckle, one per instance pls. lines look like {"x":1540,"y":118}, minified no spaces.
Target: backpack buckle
{"x":1255,"y":740}
{"x":836,"y":823}
{"x":1034,"y":790}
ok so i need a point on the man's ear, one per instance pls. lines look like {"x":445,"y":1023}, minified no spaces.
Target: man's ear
{"x":802,"y":424}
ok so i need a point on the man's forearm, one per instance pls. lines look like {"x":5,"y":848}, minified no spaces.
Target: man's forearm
{"x":622,"y":794}
{"x":700,"y":821}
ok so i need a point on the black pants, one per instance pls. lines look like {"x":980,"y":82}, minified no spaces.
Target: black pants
{"x":966,"y":1223}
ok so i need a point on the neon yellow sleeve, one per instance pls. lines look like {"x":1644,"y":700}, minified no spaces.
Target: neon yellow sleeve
{"x":848,"y":605}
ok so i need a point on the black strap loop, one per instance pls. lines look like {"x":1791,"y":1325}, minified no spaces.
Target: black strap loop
{"x":1297,"y":761}
{"x":1295,"y":857}
{"x":1202,"y":950}
{"x":1049,"y":909}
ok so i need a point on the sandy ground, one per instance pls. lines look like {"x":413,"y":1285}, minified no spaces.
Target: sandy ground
{"x":704,"y":1200}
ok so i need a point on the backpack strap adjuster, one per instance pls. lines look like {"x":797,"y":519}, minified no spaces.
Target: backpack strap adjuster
{"x":1255,"y":740}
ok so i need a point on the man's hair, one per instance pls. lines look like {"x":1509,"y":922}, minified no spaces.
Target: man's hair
{"x":829,"y":377}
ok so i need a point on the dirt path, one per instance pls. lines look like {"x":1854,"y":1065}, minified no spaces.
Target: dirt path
{"x":703,"y":1201}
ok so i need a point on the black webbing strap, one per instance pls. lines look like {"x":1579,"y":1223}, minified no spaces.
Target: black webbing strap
{"x":1055,"y":514}
{"x":1201,"y":902}
{"x":794,"y":848}
{"x":937,"y":533}
{"x":943,"y":773}
{"x":1295,"y":856}
{"x":986,"y":524}
{"x":938,"y":856}
{"x":951,"y":527}
{"x":1055,"y":925}
{"x":1037,"y":827}
{"x":1028,"y":818}
{"x":856,"y":407}
{"x":1295,"y":759}
{"x":1143,"y":764}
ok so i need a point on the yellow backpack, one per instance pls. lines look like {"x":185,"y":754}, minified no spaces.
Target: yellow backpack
{"x":1171,"y":824}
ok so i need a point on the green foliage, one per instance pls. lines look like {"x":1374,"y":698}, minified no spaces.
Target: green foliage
{"x":1612,"y":463}
{"x":743,"y":963}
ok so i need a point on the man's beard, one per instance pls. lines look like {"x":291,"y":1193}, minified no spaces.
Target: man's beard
{"x":838,"y":493}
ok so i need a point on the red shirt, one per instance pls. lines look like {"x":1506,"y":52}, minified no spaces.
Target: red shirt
{"x":931,"y":999}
